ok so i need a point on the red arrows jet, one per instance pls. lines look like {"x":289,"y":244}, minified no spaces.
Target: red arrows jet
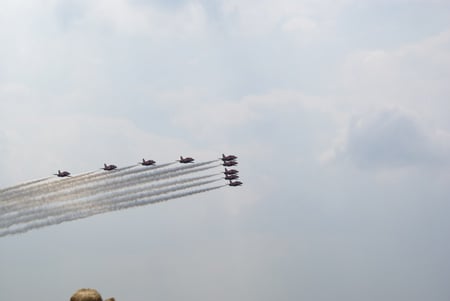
{"x":229,"y":163}
{"x":230,"y":171}
{"x":186,"y":160}
{"x":147,"y":162}
{"x":228,"y":158}
{"x":231,"y":177}
{"x":62,"y":174}
{"x":235,"y":183}
{"x":109,"y":167}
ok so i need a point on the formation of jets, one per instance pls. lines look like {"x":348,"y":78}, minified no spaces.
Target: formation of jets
{"x":230,"y":174}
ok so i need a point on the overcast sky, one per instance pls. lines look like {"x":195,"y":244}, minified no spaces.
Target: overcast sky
{"x":337,"y":109}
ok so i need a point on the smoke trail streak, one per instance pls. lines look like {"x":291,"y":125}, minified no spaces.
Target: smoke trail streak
{"x":149,"y":200}
{"x":120,"y":172}
{"x":45,"y":208}
{"x":68,"y":182}
{"x":146,"y":194}
{"x":77,"y":203}
{"x":130,"y":180}
{"x":80,"y":215}
{"x":92,"y":188}
{"x":59,"y":182}
{"x":56,"y":186}
{"x":5,"y":190}
{"x":41,"y":202}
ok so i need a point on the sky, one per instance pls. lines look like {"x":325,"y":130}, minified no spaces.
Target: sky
{"x":337,"y":109}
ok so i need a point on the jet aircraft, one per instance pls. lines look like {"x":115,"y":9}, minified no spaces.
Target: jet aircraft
{"x":235,"y":183}
{"x":229,"y":163}
{"x":230,"y":171}
{"x":231,"y":177}
{"x":186,"y":160}
{"x":109,"y":167}
{"x":62,"y":174}
{"x":228,"y":158}
{"x":147,"y":162}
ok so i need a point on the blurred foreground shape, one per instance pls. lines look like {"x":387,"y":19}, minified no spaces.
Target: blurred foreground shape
{"x":88,"y":294}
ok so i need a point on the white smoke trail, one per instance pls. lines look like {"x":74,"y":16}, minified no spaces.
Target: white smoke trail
{"x":124,"y":171}
{"x":89,"y":193}
{"x":139,"y":194}
{"x":20,"y":200}
{"x":150,"y":199}
{"x":58,"y":183}
{"x":76,"y":203}
{"x":70,"y":182}
{"x":78,"y":215}
{"x":18,"y":190}
{"x":5,"y":191}
{"x":106,"y":185}
{"x":131,"y":180}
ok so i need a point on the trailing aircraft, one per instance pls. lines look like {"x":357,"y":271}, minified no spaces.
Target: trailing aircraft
{"x":147,"y":162}
{"x":62,"y":174}
{"x":186,"y":160}
{"x":228,"y":158}
{"x":229,"y":163}
{"x":231,"y":177}
{"x":109,"y":167}
{"x":235,"y":183}
{"x":230,"y":171}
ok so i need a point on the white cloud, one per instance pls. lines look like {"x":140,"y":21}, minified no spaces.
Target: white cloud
{"x":262,"y":17}
{"x":413,"y":76}
{"x":299,"y":24}
{"x":392,"y":139}
{"x":78,"y":143}
{"x":145,"y":20}
{"x":197,"y":109}
{"x":409,"y":84}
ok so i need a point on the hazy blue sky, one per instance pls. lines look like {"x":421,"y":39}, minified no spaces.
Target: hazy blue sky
{"x":337,"y":109}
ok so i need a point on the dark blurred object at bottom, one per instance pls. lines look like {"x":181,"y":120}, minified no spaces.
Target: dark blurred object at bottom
{"x":88,"y":294}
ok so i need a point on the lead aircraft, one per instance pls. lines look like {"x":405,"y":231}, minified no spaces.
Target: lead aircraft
{"x":228,"y":158}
